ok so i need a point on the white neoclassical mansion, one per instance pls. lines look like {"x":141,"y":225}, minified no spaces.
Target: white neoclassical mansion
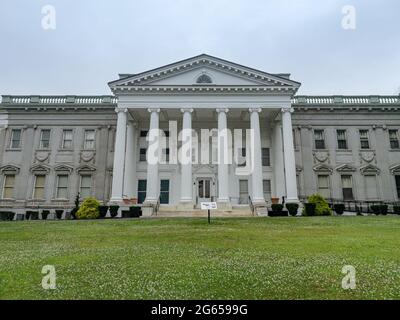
{"x":343,"y":147}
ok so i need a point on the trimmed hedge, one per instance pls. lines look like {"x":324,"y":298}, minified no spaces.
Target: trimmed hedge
{"x":321,"y":205}
{"x":309,"y":209}
{"x":292,"y":208}
{"x":396,"y":210}
{"x":379,"y":209}
{"x":114,"y":211}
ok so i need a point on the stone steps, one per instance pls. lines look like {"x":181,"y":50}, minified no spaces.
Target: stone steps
{"x":203,"y":213}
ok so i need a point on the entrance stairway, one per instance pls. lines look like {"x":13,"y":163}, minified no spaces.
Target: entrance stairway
{"x":194,"y":213}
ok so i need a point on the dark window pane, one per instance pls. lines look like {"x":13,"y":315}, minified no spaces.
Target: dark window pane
{"x":398,"y":186}
{"x":143,"y":133}
{"x":265,"y":157}
{"x":348,"y":194}
{"x":319,"y":144}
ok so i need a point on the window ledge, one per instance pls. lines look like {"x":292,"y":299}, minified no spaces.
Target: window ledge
{"x":320,"y":150}
{"x":14,"y":149}
{"x":43,"y":149}
{"x":344,"y":150}
{"x":394,"y":150}
{"x":366,"y":150}
{"x":65,"y":150}
{"x":60,"y":200}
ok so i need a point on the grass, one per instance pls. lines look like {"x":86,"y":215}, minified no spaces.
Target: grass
{"x":237,"y":258}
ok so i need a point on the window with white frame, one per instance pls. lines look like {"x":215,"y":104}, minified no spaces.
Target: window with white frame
{"x":347,"y":187}
{"x":397,"y":180}
{"x":45,"y":139}
{"x":323,"y":186}
{"x":85,"y":189}
{"x":267,"y":190}
{"x":8,"y":186}
{"x":62,"y":186}
{"x":67,"y":139}
{"x":38,"y":189}
{"x":265,"y":157}
{"x":319,"y":139}
{"x":142,"y":154}
{"x":15,"y":141}
{"x":243,"y":192}
{"x":394,"y":139}
{"x":89,"y":142}
{"x":364,"y":139}
{"x":341,"y":139}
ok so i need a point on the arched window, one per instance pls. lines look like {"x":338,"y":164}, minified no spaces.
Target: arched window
{"x":203,"y":79}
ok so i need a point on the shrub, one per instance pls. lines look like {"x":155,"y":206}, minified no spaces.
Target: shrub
{"x":11,"y":216}
{"x":73,"y":212}
{"x":45,"y":213}
{"x":103,"y":211}
{"x":27,"y":215}
{"x":396,"y":210}
{"x":114,"y":211}
{"x":276,"y":207}
{"x":34,"y":215}
{"x":309,"y":209}
{"x":339,"y":208}
{"x":321,"y":205}
{"x":89,"y":209}
{"x":59,"y":214}
{"x":383,"y":209}
{"x":292,"y":208}
{"x":378,"y":209}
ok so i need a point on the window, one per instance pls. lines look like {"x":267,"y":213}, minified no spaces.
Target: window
{"x":166,"y":132}
{"x":371,"y":187}
{"x":242,"y":157}
{"x":142,"y":155}
{"x":364,"y":139}
{"x":394,"y":139}
{"x":15,"y":139}
{"x":89,"y":139}
{"x":267,"y":190}
{"x":294,"y":139}
{"x":165,"y":155}
{"x":398,"y":186}
{"x":62,"y":187}
{"x":142,"y":186}
{"x":265,"y":157}
{"x":143,"y":133}
{"x":319,"y":139}
{"x":85,"y":189}
{"x":243,"y":192}
{"x":203,"y":79}
{"x":8,"y":187}
{"x":341,"y":139}
{"x":45,"y":139}
{"x":164,"y":192}
{"x":38,"y":191}
{"x":67,"y":139}
{"x":347,"y":188}
{"x":323,"y":186}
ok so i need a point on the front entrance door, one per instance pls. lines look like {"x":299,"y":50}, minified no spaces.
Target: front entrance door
{"x":204,"y":190}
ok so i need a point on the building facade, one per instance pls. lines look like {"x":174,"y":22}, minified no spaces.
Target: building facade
{"x":54,"y":147}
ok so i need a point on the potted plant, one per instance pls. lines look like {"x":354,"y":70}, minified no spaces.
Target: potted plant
{"x":45,"y":214}
{"x":274,"y":200}
{"x":11,"y":216}
{"x":103,"y":211}
{"x":309,"y":209}
{"x":114,"y":210}
{"x":27,"y":215}
{"x":277,"y":210}
{"x":396,"y":210}
{"x":339,"y":208}
{"x":376,"y":209}
{"x":383,"y":209}
{"x":135,"y":212}
{"x":59,"y":214}
{"x":34,"y":215}
{"x":292,"y":208}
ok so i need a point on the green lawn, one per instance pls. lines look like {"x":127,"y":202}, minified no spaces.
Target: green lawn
{"x":238,"y":258}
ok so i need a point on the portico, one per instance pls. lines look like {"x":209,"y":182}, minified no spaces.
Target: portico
{"x":201,"y":93}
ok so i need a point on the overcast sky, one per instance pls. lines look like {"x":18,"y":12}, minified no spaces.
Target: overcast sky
{"x":94,"y":40}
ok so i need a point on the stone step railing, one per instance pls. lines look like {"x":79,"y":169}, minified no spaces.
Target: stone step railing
{"x":346,"y":100}
{"x":55,"y":100}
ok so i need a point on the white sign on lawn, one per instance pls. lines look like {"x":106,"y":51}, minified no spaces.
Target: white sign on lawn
{"x":208,"y":205}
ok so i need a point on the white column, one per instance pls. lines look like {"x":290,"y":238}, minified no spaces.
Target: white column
{"x":289,"y":157}
{"x":119,"y":156}
{"x":257,"y":176}
{"x":130,"y":161}
{"x":153,"y":154}
{"x":186,"y":201}
{"x":223,"y":169}
{"x":279,"y":171}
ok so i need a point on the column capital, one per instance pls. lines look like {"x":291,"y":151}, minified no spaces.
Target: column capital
{"x":151,"y":110}
{"x":183,"y":110}
{"x":251,"y":110}
{"x":287,"y":109}
{"x":118,"y":110}
{"x":225,"y":110}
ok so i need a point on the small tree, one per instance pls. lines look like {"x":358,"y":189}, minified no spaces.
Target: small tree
{"x":321,"y":205}
{"x":89,"y":209}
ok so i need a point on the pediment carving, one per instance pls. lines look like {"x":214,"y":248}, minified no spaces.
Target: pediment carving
{"x":321,"y":156}
{"x":87,"y":156}
{"x":345,"y":168}
{"x":9,"y":169}
{"x":395,"y":169}
{"x":63,"y":168}
{"x":40,"y":168}
{"x":323,"y":168}
{"x":369,"y":169}
{"x":367,"y":156}
{"x":42,"y":156}
{"x":85,"y":168}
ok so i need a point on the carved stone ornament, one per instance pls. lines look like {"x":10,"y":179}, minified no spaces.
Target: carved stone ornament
{"x":321,"y":156}
{"x":367,"y":156}
{"x":42,"y":156}
{"x":87,"y":156}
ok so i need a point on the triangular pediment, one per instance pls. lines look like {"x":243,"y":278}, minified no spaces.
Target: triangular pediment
{"x":369,"y":169}
{"x":221,"y":73}
{"x":323,"y":168}
{"x":395,"y":169}
{"x":345,"y":168}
